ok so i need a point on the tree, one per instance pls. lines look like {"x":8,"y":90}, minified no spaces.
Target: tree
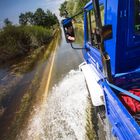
{"x":27,"y":18}
{"x":55,"y":19}
{"x":51,"y":19}
{"x":39,"y":17}
{"x":62,"y":9}
{"x":7,"y":22}
{"x":45,"y":19}
{"x":30,"y":17}
{"x":23,"y":19}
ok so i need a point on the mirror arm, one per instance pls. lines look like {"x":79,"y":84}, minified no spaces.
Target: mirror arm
{"x":77,"y":48}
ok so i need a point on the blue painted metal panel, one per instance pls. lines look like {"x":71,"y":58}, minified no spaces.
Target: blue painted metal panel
{"x":92,"y":56}
{"x":111,"y":14}
{"x":89,"y":5}
{"x":66,"y":21}
{"x":124,"y":125}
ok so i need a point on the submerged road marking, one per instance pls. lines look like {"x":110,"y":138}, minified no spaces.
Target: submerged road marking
{"x":50,"y":71}
{"x":42,"y":108}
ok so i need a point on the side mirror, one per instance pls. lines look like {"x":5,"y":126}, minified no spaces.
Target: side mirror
{"x":107,"y":32}
{"x":68,"y":30}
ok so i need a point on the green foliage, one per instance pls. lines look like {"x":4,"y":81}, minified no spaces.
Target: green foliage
{"x":7,"y":22}
{"x":51,"y":19}
{"x":23,"y":19}
{"x":30,"y":17}
{"x":19,"y":41}
{"x":35,"y":30}
{"x":39,"y":35}
{"x":13,"y":40}
{"x":72,"y":7}
{"x":62,"y":9}
{"x":39,"y":18}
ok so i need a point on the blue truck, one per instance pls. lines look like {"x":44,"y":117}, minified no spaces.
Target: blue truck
{"x":111,"y":66}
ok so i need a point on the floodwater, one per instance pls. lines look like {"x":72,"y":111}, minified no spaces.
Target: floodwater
{"x":44,"y":96}
{"x":63,"y":114}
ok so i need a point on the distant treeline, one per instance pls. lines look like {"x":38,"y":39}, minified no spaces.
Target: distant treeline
{"x":35,"y":29}
{"x":39,"y":18}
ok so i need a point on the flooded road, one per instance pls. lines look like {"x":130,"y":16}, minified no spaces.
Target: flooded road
{"x":29,"y":103}
{"x":63,"y":114}
{"x":19,"y":85}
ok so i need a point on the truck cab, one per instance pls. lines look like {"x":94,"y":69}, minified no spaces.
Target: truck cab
{"x":111,"y":51}
{"x":124,"y":47}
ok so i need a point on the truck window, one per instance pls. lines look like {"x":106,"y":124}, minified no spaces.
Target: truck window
{"x":92,"y":24}
{"x":102,"y":14}
{"x":137,"y":15}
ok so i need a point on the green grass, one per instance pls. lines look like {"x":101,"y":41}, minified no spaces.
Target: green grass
{"x":39,"y":35}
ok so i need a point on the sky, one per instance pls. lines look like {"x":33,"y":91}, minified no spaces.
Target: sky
{"x":11,"y":9}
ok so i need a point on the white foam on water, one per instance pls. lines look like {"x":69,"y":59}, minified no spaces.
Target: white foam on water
{"x":64,"y":117}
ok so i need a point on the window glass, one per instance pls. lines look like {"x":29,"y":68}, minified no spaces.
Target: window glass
{"x":92,"y":24}
{"x":102,"y":14}
{"x":137,"y":15}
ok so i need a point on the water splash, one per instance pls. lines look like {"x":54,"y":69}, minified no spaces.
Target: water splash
{"x":65,"y":112}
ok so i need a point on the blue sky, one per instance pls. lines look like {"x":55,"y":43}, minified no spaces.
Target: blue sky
{"x":11,"y":9}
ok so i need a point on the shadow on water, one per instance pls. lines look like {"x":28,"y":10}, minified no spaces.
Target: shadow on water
{"x":18,"y":85}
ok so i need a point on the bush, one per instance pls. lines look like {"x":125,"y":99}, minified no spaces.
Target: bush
{"x":39,"y":35}
{"x":13,"y":41}
{"x":19,"y":40}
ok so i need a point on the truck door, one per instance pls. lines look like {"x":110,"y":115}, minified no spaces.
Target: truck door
{"x":128,"y":37}
{"x":134,"y":23}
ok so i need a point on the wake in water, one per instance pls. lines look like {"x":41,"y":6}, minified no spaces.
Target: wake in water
{"x":65,"y":112}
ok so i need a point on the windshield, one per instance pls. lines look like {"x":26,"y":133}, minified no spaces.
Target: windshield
{"x":137,"y":15}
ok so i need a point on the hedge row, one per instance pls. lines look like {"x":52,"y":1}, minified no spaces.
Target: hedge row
{"x":20,"y":40}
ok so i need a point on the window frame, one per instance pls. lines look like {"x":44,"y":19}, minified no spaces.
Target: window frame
{"x":90,"y":27}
